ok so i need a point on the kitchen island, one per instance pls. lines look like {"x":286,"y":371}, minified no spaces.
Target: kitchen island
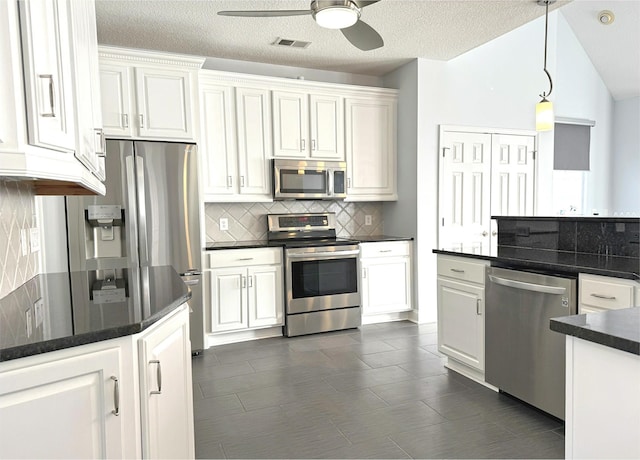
{"x":602,"y":383}
{"x":97,"y":368}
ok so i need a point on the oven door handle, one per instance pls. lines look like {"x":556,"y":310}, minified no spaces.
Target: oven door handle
{"x":315,"y":255}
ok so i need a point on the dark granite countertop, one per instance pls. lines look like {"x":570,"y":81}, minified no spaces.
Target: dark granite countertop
{"x":559,"y":261}
{"x":68,"y":317}
{"x":248,"y":244}
{"x":620,"y":219}
{"x":619,"y":329}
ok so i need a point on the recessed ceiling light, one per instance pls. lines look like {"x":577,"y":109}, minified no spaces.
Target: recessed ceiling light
{"x":606,"y":17}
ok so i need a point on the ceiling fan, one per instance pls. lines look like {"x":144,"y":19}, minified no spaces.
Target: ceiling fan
{"x":332,"y":14}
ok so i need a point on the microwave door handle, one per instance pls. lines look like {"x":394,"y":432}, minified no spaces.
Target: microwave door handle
{"x":330,"y":182}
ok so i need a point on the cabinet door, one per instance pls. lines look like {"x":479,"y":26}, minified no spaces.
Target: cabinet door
{"x":290,"y":124}
{"x":166,"y":390}
{"x":47,"y":72}
{"x":254,"y":142}
{"x":163,"y":101}
{"x":370,"y":149}
{"x":87,"y":86}
{"x":218,"y":154}
{"x":63,"y":409}
{"x":327,"y":127}
{"x":228,"y":299}
{"x":386,"y":285}
{"x":115,"y":90}
{"x":265,"y":295}
{"x":465,"y":188}
{"x":461,"y":322}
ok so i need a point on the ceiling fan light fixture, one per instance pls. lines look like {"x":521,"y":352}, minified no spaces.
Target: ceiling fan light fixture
{"x":337,"y":16}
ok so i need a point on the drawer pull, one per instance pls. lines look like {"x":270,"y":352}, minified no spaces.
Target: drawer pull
{"x":457,"y":270}
{"x":478,"y":312}
{"x":246,"y":258}
{"x":602,"y":296}
{"x":385,"y":250}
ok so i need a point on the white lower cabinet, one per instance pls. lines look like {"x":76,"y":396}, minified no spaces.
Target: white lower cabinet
{"x":461,"y":314}
{"x":386,"y":280}
{"x":65,"y":408}
{"x":600,"y":293}
{"x":245,"y":288}
{"x":97,"y":400}
{"x":166,"y":398}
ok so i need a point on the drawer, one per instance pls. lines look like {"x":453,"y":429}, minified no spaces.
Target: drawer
{"x":385,"y":249}
{"x":243,"y":257}
{"x":462,"y":269}
{"x":606,"y":293}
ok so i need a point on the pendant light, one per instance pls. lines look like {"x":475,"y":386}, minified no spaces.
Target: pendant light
{"x":544,"y":108}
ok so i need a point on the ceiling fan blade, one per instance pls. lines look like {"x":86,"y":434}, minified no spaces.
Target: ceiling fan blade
{"x":363,"y":36}
{"x":363,"y":3}
{"x":265,"y":14}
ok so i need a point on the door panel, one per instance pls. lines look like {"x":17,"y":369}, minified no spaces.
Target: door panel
{"x":265,"y":296}
{"x":228,"y":299}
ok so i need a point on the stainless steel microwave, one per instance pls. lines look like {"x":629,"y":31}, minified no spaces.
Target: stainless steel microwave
{"x":309,"y":180}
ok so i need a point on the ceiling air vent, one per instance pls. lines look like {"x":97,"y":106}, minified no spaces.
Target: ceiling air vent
{"x":291,"y":43}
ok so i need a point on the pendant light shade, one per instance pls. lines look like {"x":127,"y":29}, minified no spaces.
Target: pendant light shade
{"x":544,"y":115}
{"x":544,"y":108}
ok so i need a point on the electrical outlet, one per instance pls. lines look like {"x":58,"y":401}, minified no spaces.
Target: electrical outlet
{"x":224,"y":224}
{"x":34,"y":239}
{"x":367,"y":219}
{"x":38,"y":307}
{"x":28,"y":318}
{"x":24,"y":243}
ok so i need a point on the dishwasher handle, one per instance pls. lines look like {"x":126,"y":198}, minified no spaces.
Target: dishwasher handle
{"x":527,"y":286}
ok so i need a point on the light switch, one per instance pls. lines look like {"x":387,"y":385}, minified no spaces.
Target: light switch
{"x":28,"y":319}
{"x":34,"y":239}
{"x":38,"y":307}
{"x":24,"y":242}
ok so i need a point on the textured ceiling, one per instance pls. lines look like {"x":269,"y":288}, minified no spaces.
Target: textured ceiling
{"x":432,"y":29}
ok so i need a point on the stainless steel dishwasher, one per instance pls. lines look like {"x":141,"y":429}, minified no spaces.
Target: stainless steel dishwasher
{"x":523,"y":357}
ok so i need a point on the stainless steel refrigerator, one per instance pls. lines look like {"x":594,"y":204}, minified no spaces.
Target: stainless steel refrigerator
{"x":150,"y":216}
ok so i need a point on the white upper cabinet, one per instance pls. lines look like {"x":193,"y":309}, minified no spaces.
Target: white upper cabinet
{"x":371,"y":147}
{"x":235,"y":142}
{"x":148,"y":95}
{"x":48,"y":125}
{"x":308,"y":125}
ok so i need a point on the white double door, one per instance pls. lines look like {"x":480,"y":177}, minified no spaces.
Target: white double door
{"x":482,"y":175}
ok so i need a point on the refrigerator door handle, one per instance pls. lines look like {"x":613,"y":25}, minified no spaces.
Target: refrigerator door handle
{"x":132,"y":234}
{"x":142,"y":212}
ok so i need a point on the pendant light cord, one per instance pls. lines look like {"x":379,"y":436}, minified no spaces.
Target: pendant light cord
{"x":546,"y":28}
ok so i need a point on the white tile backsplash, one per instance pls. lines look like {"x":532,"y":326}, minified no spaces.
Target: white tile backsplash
{"x":248,"y":221}
{"x":17,"y":212}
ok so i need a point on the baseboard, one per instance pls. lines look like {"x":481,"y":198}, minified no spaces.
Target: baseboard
{"x":222,"y":338}
{"x":386,"y":317}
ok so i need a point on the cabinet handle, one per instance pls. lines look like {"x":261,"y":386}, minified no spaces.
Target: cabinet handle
{"x":246,"y":258}
{"x":125,"y":120}
{"x":250,"y":281}
{"x":364,"y":273}
{"x":116,"y":396}
{"x":101,"y":150}
{"x":229,"y":181}
{"x":484,"y":233}
{"x":478,"y":312}
{"x":52,"y":98}
{"x":141,"y":118}
{"x":244,"y":282}
{"x":158,"y":377}
{"x":348,"y":182}
{"x":602,"y":296}
{"x":457,"y":270}
{"x":313,"y":144}
{"x":384,"y":250}
{"x":494,"y":233}
{"x":241,"y":181}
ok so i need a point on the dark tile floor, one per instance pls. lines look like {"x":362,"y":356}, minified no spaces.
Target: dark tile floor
{"x":380,"y":391}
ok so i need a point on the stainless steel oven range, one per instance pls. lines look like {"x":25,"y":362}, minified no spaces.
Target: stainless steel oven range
{"x":321,"y":273}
